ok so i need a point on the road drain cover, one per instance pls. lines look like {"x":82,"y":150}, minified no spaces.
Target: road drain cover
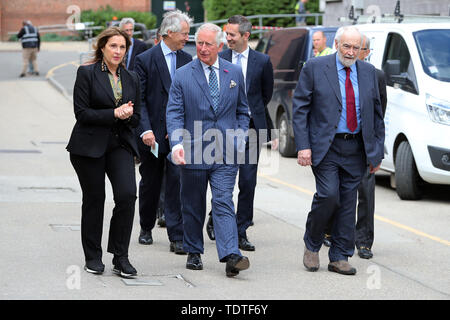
{"x":142,"y":282}
{"x":65,"y":227}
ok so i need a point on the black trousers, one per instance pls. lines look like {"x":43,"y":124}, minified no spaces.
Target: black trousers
{"x":152,"y":171}
{"x":118,"y":164}
{"x":366,"y":211}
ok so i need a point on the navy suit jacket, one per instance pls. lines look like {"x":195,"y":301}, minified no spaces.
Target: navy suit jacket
{"x":317,"y":106}
{"x":138,"y":47}
{"x":259,"y":85}
{"x":155,"y":79}
{"x":190,"y":102}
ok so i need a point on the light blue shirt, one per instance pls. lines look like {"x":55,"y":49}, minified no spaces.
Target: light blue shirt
{"x":342,"y":75}
{"x":130,"y":50}
{"x":168,"y":56}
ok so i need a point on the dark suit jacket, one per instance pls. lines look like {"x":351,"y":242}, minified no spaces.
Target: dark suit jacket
{"x":155,"y":79}
{"x":138,"y":47}
{"x":317,"y":106}
{"x":259,"y":86}
{"x":190,"y":101}
{"x":94,"y":103}
{"x":381,"y":78}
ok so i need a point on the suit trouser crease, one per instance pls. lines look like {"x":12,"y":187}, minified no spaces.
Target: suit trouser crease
{"x":337,"y":178}
{"x":118,"y":164}
{"x":193,"y":199}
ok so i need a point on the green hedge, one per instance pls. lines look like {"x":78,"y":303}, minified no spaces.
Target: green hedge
{"x":219,"y":9}
{"x":104,"y":15}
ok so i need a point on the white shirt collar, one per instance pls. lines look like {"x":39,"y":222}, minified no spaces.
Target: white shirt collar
{"x":215,"y":64}
{"x":165,"y":49}
{"x":244,"y":53}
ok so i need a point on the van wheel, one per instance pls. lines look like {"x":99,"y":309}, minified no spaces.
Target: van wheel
{"x":407,"y":179}
{"x":287,"y":143}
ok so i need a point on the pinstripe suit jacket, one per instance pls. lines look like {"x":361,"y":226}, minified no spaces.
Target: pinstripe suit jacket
{"x":206,"y":133}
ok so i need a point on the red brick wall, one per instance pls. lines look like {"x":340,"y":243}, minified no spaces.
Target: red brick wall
{"x":48,"y":12}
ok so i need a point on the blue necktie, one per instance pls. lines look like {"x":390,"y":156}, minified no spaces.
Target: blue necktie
{"x":238,"y":61}
{"x":173,"y":64}
{"x":214,"y":88}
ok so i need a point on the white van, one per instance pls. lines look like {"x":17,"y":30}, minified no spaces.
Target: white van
{"x":416,"y":60}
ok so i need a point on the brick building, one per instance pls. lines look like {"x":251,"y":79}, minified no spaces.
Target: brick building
{"x":49,"y":12}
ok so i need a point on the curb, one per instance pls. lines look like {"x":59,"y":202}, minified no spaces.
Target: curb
{"x":59,"y":88}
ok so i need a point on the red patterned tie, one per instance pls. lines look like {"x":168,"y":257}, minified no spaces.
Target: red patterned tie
{"x":350,"y":101}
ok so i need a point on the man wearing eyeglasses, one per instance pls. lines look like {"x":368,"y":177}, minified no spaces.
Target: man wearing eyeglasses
{"x":156,"y":68}
{"x":366,"y":190}
{"x":339,"y":129}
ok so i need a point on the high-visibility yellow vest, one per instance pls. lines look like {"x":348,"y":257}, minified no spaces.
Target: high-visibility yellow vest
{"x":325,"y":52}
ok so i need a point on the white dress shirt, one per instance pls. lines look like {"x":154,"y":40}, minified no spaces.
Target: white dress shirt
{"x":244,"y":60}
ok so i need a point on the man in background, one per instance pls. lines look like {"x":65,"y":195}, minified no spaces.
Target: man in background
{"x":31,"y":43}
{"x":137,"y":46}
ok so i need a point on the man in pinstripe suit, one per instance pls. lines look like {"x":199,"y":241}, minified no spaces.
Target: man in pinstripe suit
{"x":207,"y":101}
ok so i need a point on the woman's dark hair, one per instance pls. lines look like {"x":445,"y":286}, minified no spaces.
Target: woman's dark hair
{"x":103,"y":38}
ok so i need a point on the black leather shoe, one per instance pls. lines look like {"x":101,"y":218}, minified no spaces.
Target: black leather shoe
{"x":123,"y":267}
{"x":194,"y":261}
{"x":177,"y":247}
{"x":94,"y":266}
{"x":236,"y":263}
{"x":145,"y":237}
{"x":162,"y":221}
{"x":327,"y":240}
{"x":210,"y":228}
{"x":22,"y":75}
{"x":246,"y":245}
{"x":365,"y":253}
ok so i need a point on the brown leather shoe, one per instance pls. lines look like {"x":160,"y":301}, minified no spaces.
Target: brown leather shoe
{"x":311,"y":260}
{"x":342,"y":267}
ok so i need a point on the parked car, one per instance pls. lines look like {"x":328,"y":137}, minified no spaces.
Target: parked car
{"x":416,"y":60}
{"x":288,"y":50}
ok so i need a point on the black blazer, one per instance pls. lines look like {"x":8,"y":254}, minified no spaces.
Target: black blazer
{"x":94,"y":104}
{"x":381,"y":78}
{"x":259,"y":83}
{"x":138,"y":47}
{"x":155,"y":80}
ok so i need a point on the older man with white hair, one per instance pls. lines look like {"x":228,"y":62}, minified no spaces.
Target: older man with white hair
{"x":207,"y":98}
{"x":156,"y":69}
{"x":339,"y":132}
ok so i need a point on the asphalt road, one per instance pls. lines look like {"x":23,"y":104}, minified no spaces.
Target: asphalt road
{"x":40,"y":206}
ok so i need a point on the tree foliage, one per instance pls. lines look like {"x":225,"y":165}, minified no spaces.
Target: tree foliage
{"x":220,"y":9}
{"x":103,"y":15}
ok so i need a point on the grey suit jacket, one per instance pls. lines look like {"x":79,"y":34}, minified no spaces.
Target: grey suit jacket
{"x":317,"y":106}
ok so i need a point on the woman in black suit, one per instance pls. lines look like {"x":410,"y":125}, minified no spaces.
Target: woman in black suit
{"x":107,"y":107}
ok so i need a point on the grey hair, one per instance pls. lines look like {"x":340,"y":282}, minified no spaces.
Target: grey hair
{"x":244,"y":24}
{"x":211,"y":27}
{"x":172,"y":22}
{"x":367,"y":41}
{"x":125,"y":21}
{"x":343,"y":29}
